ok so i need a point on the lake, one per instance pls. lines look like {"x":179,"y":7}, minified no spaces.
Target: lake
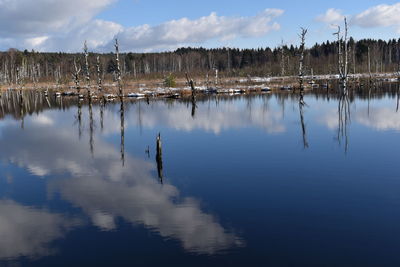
{"x":242,"y":180}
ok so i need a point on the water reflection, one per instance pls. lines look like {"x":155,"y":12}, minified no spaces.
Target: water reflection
{"x":344,"y":118}
{"x":122,"y":122}
{"x":302,"y":103}
{"x":104,"y":182}
{"x":398,"y":96}
{"x":105,"y":191}
{"x":28,"y":232}
{"x":159,"y":158}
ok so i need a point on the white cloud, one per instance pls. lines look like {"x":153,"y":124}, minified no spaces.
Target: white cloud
{"x":184,"y":31}
{"x":36,"y":41}
{"x":60,"y":25}
{"x":31,"y":19}
{"x":97,"y":33}
{"x":379,"y":16}
{"x":331,"y":16}
{"x":67,"y":24}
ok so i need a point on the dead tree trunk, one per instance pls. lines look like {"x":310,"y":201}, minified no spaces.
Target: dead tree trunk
{"x":282,"y":60}
{"x":119,"y":81}
{"x":99,"y":80}
{"x":75,"y":75}
{"x":216,"y":78}
{"x":87,"y":70}
{"x":193,"y":89}
{"x":369,"y":65}
{"x":343,"y":60}
{"x":301,"y":61}
{"x":346,"y":54}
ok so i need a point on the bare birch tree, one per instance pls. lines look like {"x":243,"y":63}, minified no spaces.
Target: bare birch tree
{"x":87,"y":70}
{"x":75,"y":76}
{"x":118,"y":70}
{"x":99,"y":80}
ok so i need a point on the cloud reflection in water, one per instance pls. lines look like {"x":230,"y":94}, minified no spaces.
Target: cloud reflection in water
{"x":105,"y":190}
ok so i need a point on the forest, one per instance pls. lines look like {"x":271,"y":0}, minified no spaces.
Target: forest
{"x":379,"y":56}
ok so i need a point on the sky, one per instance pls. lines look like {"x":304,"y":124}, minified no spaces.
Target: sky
{"x":165,"y":25}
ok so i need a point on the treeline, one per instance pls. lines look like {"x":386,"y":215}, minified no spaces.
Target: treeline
{"x":19,"y":67}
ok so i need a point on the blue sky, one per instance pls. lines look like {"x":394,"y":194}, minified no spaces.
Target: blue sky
{"x":156,"y":25}
{"x":297,"y":14}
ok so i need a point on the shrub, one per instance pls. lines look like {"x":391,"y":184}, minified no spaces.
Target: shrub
{"x":169,"y":81}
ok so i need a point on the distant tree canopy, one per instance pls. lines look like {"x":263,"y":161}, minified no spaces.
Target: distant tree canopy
{"x":31,"y":66}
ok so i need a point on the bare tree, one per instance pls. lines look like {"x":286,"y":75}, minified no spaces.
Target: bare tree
{"x":99,"y":80}
{"x":282,"y":48}
{"x":118,"y":70}
{"x":75,"y":76}
{"x":343,"y":59}
{"x":87,"y":70}
{"x":302,"y":36}
{"x":369,"y":64}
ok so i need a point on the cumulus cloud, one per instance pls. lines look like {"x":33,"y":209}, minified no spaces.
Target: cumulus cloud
{"x":31,"y":19}
{"x":60,"y":25}
{"x":379,"y":16}
{"x":97,"y":33}
{"x":383,"y":15}
{"x":176,"y":33}
{"x":332,"y":16}
{"x":67,"y":24}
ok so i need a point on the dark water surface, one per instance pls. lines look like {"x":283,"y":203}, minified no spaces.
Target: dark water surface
{"x":244,"y":181}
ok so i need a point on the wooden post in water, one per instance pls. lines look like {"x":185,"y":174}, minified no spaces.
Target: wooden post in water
{"x":191,"y":84}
